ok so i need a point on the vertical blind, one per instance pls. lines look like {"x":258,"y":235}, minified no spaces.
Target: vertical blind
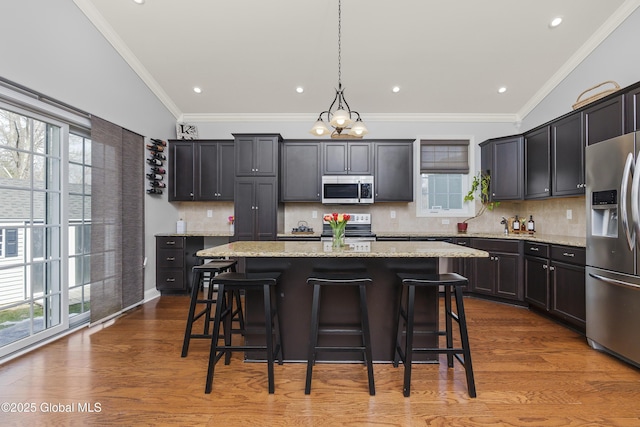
{"x":449,"y":156}
{"x":117,"y":219}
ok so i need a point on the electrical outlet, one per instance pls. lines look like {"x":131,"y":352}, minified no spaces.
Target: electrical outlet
{"x":569,"y":214}
{"x":314,"y":214}
{"x":393,"y":214}
{"x":445,"y":222}
{"x":209,"y":213}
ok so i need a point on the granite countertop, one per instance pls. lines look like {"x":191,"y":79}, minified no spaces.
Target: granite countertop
{"x":292,"y":249}
{"x":541,"y":238}
{"x":197,"y":234}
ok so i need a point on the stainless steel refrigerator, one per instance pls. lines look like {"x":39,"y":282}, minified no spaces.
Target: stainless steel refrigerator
{"x":613,"y":239}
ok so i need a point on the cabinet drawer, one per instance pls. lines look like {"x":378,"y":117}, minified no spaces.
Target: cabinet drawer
{"x":170,"y":242}
{"x":536,"y":249}
{"x":170,"y":279}
{"x":496,"y":245}
{"x":570,"y":254}
{"x":170,"y":258}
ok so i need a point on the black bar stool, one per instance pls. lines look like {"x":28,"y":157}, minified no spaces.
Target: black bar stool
{"x":228,"y":283}
{"x":204,"y":273}
{"x":405,"y":317}
{"x":355,"y":278}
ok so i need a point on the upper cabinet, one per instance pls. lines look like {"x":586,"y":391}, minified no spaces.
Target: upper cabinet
{"x":300,"y":173}
{"x":604,"y":120}
{"x":257,"y":155}
{"x":504,"y":167}
{"x":201,"y":170}
{"x":342,"y":158}
{"x":567,"y":151}
{"x":537,"y":166}
{"x":393,"y":172}
{"x":632,"y":109}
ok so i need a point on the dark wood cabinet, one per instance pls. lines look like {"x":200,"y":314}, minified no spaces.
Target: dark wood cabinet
{"x":632,"y":109}
{"x":499,"y":275}
{"x":537,"y":166}
{"x":256,"y":208}
{"x":342,"y":158}
{"x":504,"y":163}
{"x":567,"y":270}
{"x":257,"y":155}
{"x":555,"y":281}
{"x":201,"y":170}
{"x":301,"y":178}
{"x":604,"y":120}
{"x":536,"y":274}
{"x":393,"y":171}
{"x":463,"y":266}
{"x":567,"y":156}
{"x":175,"y":257}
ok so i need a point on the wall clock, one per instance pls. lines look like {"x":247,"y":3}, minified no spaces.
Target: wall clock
{"x":186,"y":131}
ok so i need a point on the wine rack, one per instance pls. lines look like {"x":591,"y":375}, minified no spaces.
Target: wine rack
{"x":156,"y":166}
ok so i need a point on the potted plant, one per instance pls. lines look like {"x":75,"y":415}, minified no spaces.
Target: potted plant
{"x":480,"y":189}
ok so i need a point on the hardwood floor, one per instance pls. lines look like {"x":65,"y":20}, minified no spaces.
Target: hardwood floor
{"x":529,"y":372}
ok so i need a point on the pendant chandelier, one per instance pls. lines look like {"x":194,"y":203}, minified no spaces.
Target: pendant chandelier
{"x":342,"y":117}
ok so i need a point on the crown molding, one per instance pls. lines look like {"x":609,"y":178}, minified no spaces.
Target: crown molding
{"x":112,"y":37}
{"x":378,"y":117}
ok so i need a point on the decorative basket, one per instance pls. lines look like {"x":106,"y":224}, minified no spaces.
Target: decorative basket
{"x":582,"y":102}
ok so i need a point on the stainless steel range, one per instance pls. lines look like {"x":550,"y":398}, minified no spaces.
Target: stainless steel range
{"x":357,"y":233}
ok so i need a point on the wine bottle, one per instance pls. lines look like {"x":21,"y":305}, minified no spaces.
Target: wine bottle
{"x":154,"y":191}
{"x":157,"y":184}
{"x":154,"y":147}
{"x":154,"y":162}
{"x":159,"y":156}
{"x":161,"y":171}
{"x":159,"y":142}
{"x":155,"y":177}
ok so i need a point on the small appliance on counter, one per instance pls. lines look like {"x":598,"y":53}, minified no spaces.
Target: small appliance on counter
{"x":302,"y":228}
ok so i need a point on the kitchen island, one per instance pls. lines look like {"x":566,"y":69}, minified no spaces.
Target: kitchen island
{"x":296,"y":260}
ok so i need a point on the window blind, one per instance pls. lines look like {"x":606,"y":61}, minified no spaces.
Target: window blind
{"x":450,"y":156}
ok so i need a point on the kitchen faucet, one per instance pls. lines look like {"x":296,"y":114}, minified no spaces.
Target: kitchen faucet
{"x":506,"y":225}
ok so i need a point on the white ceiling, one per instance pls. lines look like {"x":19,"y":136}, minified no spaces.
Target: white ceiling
{"x":449,"y":57}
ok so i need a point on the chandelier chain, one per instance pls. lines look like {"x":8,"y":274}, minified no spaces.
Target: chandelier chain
{"x":339,"y":43}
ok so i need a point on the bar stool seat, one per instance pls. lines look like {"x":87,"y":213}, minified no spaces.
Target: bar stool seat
{"x":200,"y":274}
{"x":228,"y":283}
{"x":406,"y":325}
{"x":357,"y":278}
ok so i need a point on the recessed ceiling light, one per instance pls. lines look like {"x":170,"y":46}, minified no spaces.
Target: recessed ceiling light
{"x":502,"y":89}
{"x":299,"y":89}
{"x":196,"y":89}
{"x":555,"y":22}
{"x":139,"y":1}
{"x":395,"y":89}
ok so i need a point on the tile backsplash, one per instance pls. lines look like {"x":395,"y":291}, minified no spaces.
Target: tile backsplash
{"x":550,"y":216}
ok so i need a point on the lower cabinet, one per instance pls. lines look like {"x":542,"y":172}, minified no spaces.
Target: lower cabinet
{"x":175,"y":257}
{"x":499,"y":275}
{"x":555,"y":281}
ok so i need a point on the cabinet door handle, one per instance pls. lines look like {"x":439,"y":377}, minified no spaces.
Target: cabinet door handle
{"x":544,"y":266}
{"x":568,"y":254}
{"x":534,"y":249}
{"x":171,"y":258}
{"x":462,"y":243}
{"x":170,"y":242}
{"x":552,"y":268}
{"x":170,"y":279}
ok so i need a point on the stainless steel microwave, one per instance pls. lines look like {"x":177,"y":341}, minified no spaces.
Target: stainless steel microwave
{"x":347,"y":189}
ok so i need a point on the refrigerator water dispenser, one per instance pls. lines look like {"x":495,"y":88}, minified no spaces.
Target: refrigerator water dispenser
{"x":604,"y":214}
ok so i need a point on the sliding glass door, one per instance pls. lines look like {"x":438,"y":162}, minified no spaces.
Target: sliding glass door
{"x":32,"y":267}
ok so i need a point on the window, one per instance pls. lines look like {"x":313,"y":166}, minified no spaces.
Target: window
{"x":8,"y":242}
{"x":444,"y":178}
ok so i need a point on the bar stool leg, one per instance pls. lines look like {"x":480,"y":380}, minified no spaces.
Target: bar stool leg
{"x":213,"y":354}
{"x":269,"y":335}
{"x":366,"y":338}
{"x":464,"y":338}
{"x":315,"y":318}
{"x":448,"y":323}
{"x":192,"y":311}
{"x":408,"y":352}
{"x":400,"y":319}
